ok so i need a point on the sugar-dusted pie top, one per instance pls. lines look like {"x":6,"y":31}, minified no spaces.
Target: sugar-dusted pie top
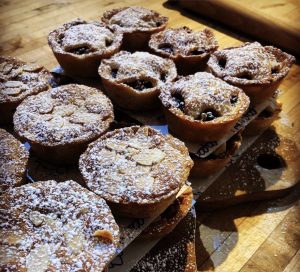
{"x":130,"y":19}
{"x":184,"y":42}
{"x":127,"y":68}
{"x":67,"y":114}
{"x":50,"y":226}
{"x":250,"y":63}
{"x":81,"y":37}
{"x":135,"y":165}
{"x":19,"y":79}
{"x":203,"y":97}
{"x":13,"y":161}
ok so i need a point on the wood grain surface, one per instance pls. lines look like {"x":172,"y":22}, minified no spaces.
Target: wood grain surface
{"x":258,"y":236}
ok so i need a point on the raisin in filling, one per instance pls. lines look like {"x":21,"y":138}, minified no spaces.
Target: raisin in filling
{"x":196,"y":52}
{"x":246,"y":75}
{"x":208,"y":115}
{"x":81,"y":50}
{"x":222,"y":62}
{"x":140,"y":84}
{"x":179,"y":101}
{"x":108,"y":43}
{"x":233,"y":99}
{"x":166,"y":47}
{"x":163,"y":77}
{"x":114,"y":73}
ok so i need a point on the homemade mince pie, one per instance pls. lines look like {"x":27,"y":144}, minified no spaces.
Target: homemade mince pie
{"x":201,"y":107}
{"x":137,"y":170}
{"x":136,"y":23}
{"x":256,"y":69}
{"x":190,"y":50}
{"x":133,"y":80}
{"x":79,"y":46}
{"x":18,"y":80}
{"x":50,"y":226}
{"x":60,"y":123}
{"x":168,"y":220}
{"x":13,"y":161}
{"x":204,"y":167}
{"x":264,"y":119}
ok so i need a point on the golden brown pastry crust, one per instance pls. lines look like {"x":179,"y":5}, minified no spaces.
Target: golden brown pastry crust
{"x":137,"y":25}
{"x":59,"y":123}
{"x":125,"y":72}
{"x":170,"y":217}
{"x":13,"y":161}
{"x":263,"y":120}
{"x":201,"y":107}
{"x":190,"y":50}
{"x":256,"y":69}
{"x":18,"y":80}
{"x":79,"y":46}
{"x":137,"y":170}
{"x":50,"y":226}
{"x":204,"y":167}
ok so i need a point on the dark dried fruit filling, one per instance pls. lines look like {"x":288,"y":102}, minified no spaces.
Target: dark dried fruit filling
{"x":233,"y":99}
{"x":197,"y":52}
{"x":140,"y":85}
{"x":81,"y":50}
{"x":222,"y":62}
{"x":208,"y":115}
{"x":166,"y":47}
{"x":179,"y":101}
{"x":114,"y":73}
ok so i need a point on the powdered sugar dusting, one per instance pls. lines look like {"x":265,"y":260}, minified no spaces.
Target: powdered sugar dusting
{"x":124,"y":166}
{"x":50,"y":226}
{"x":13,"y":161}
{"x":66,"y":114}
{"x":203,"y":91}
{"x":19,"y":79}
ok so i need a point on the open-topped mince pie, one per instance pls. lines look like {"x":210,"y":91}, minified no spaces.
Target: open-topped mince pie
{"x":60,"y":123}
{"x":79,"y":46}
{"x":256,"y":69}
{"x":190,"y":50}
{"x":50,"y":226}
{"x":136,"y":23}
{"x":18,"y":80}
{"x":133,"y":80}
{"x":201,"y":107}
{"x":13,"y":161}
{"x":137,"y":170}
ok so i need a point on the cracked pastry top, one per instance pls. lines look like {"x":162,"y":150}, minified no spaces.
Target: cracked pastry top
{"x":203,"y":98}
{"x":19,"y":79}
{"x":13,"y":161}
{"x":250,"y":63}
{"x":139,"y":71}
{"x":81,"y":38}
{"x":183,"y":42}
{"x":50,"y":226}
{"x":134,"y":19}
{"x":135,"y":165}
{"x":67,"y":114}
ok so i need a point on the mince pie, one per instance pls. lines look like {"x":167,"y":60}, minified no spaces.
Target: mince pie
{"x":60,"y":123}
{"x":133,"y":80}
{"x":13,"y":161}
{"x":50,"y":226}
{"x":18,"y":80}
{"x":264,"y":119}
{"x":136,"y":23}
{"x":204,"y":167}
{"x":201,"y":107}
{"x":137,"y":170}
{"x":79,"y":46}
{"x":256,"y":69}
{"x":168,"y":220}
{"x":190,"y":50}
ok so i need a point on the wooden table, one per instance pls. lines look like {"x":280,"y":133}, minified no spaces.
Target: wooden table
{"x":261,"y":236}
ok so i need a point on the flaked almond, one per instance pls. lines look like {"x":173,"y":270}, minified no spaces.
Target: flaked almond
{"x":32,"y":68}
{"x":11,"y":91}
{"x":104,"y":235}
{"x":149,"y":157}
{"x":14,"y":84}
{"x":46,"y":108}
{"x":144,"y":182}
{"x":5,"y":68}
{"x":38,"y":258}
{"x":116,"y":145}
{"x":36,"y":218}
